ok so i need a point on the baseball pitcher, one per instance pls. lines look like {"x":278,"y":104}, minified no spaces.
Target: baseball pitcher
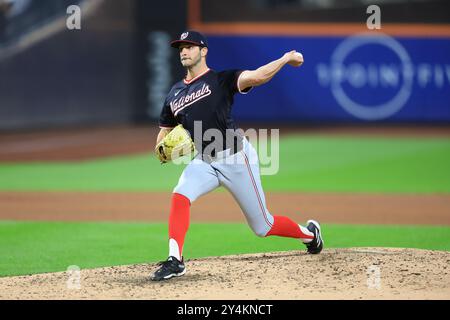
{"x":202,"y":101}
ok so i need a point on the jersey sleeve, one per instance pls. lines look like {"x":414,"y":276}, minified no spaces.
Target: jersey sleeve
{"x":167,"y":119}
{"x":230,"y":80}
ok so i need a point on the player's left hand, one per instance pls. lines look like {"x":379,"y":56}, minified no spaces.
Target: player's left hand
{"x":294,"y":58}
{"x":175,"y":144}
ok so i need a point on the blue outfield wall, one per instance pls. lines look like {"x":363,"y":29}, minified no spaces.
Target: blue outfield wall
{"x":359,"y":78}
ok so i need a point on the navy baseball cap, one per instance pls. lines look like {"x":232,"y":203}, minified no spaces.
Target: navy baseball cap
{"x":192,"y":37}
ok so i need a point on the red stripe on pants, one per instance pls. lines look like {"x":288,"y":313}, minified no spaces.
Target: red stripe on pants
{"x":263,"y":211}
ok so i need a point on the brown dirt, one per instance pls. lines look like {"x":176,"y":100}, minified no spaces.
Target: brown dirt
{"x":76,"y":144}
{"x":329,"y":208}
{"x":333,"y":274}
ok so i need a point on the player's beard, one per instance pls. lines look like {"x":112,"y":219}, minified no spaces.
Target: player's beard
{"x":193,"y":62}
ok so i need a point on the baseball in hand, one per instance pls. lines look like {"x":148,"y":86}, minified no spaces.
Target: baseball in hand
{"x":298,"y":59}
{"x":294,"y":58}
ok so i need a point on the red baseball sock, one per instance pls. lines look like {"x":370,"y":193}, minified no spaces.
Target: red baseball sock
{"x":285,"y":227}
{"x":178,"y":224}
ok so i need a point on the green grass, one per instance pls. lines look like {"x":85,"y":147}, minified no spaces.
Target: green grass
{"x":37,"y":247}
{"x":128,"y":173}
{"x":308,"y":163}
{"x":363,"y":165}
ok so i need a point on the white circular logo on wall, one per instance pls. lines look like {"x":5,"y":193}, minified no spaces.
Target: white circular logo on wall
{"x":184,"y":35}
{"x":381,"y":110}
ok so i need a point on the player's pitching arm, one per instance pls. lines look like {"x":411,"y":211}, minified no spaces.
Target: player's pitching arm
{"x":254,"y":78}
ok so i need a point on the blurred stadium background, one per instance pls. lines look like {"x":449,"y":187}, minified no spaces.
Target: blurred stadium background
{"x":119,"y":67}
{"x":368,"y":113}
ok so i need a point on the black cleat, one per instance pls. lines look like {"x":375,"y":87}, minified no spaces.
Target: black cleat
{"x":172,"y":267}
{"x":315,"y":246}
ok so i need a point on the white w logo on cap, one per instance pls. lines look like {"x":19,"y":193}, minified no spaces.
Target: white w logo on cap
{"x":184,"y":35}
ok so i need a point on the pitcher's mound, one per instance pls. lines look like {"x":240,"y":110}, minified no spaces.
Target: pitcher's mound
{"x":357,"y":273}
